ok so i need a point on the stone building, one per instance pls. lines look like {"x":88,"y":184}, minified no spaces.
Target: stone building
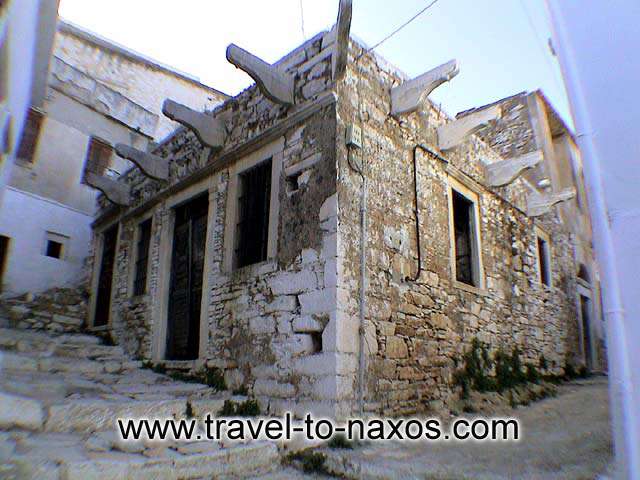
{"x":333,"y":241}
{"x":94,"y":94}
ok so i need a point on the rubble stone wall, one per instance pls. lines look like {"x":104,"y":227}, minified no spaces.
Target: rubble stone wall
{"x":272,"y":327}
{"x":416,"y":331}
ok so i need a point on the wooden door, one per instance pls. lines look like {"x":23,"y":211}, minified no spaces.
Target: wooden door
{"x":585,"y":310}
{"x":105,"y":278}
{"x":187,"y":271}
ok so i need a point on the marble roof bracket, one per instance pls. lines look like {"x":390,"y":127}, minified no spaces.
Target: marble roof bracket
{"x":455,"y":132}
{"x":117,"y":192}
{"x":504,"y":172}
{"x":341,"y":47}
{"x":211,"y":131}
{"x":153,"y":166}
{"x":412,"y":94}
{"x":540,"y":204}
{"x":274,"y":83}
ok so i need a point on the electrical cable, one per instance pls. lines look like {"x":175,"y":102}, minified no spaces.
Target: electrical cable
{"x":433,"y":2}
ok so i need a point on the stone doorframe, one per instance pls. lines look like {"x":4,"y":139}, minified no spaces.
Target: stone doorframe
{"x":95,"y":275}
{"x":585,"y":290}
{"x":160,"y":309}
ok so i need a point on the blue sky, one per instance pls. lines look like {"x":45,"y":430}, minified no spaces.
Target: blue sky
{"x":501,"y":45}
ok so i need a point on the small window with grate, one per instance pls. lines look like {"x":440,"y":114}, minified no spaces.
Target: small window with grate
{"x":544,"y":261}
{"x":142,"y":258}
{"x":252,"y":229}
{"x":464,"y":231}
{"x":98,"y":156}
{"x":30,"y":133}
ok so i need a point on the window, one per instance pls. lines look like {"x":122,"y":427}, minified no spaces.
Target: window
{"x":55,"y":246}
{"x":465,"y":244}
{"x":252,"y":228}
{"x":544,"y":260}
{"x":4,"y":255}
{"x":98,"y":156}
{"x":142,"y":258}
{"x":30,"y":134}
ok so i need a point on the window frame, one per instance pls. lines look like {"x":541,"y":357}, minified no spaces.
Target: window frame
{"x":474,"y":198}
{"x":548,"y":257}
{"x":136,"y":257}
{"x":41,"y":117}
{"x":94,"y":140}
{"x":274,"y":151}
{"x":63,"y":240}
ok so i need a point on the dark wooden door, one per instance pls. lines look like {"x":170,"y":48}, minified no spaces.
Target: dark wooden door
{"x":187,"y":271}
{"x":585,"y":307}
{"x":103,"y":302}
{"x":4,"y":255}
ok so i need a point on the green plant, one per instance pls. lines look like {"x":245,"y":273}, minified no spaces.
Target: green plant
{"x":340,"y":442}
{"x":468,"y":408}
{"x":248,"y":408}
{"x":532,"y":373}
{"x":213,"y":377}
{"x":569,"y":371}
{"x":311,"y":462}
{"x":542,"y":364}
{"x":228,"y":409}
{"x":474,"y":373}
{"x":242,"y":390}
{"x":155,"y":367}
{"x":583,"y":372}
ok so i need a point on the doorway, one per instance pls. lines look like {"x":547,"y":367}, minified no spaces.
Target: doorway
{"x":105,"y":277}
{"x":4,"y":255}
{"x":585,"y":312}
{"x":187,"y":271}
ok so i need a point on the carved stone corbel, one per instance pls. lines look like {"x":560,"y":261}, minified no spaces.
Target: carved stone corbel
{"x":116,"y":192}
{"x":540,"y":204}
{"x":341,"y":46}
{"x":274,"y":83}
{"x":210,"y":130}
{"x":152,"y":166}
{"x":506,"y":171}
{"x":411,"y":95}
{"x":454,"y":133}
{"x":5,"y":129}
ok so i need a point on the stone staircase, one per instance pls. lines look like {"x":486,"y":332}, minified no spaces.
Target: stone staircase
{"x":61,"y":393}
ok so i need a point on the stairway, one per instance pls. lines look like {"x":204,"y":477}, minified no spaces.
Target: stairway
{"x":60,"y":394}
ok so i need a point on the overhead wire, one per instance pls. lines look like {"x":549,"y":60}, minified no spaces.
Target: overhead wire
{"x":540,"y":42}
{"x":304,"y":36}
{"x":431,"y":4}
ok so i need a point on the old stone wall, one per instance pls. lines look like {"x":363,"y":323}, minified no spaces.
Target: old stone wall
{"x":417,"y":330}
{"x":272,"y":327}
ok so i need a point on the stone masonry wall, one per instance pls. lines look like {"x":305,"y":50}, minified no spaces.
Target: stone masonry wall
{"x":272,"y":327}
{"x":416,"y":331}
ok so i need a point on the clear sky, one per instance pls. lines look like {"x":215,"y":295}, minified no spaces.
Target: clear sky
{"x":501,"y":45}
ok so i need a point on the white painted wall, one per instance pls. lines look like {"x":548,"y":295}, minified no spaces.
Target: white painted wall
{"x":597,"y":44}
{"x":28,"y":269}
{"x":16,"y":72}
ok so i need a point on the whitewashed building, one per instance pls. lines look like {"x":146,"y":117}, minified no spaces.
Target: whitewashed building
{"x":97,"y":94}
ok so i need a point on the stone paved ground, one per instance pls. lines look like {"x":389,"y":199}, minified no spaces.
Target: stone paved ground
{"x":566,"y":437}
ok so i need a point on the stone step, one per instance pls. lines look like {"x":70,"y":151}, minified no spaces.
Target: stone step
{"x":10,"y":336}
{"x":22,"y":362}
{"x":72,"y":457}
{"x":93,"y":415}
